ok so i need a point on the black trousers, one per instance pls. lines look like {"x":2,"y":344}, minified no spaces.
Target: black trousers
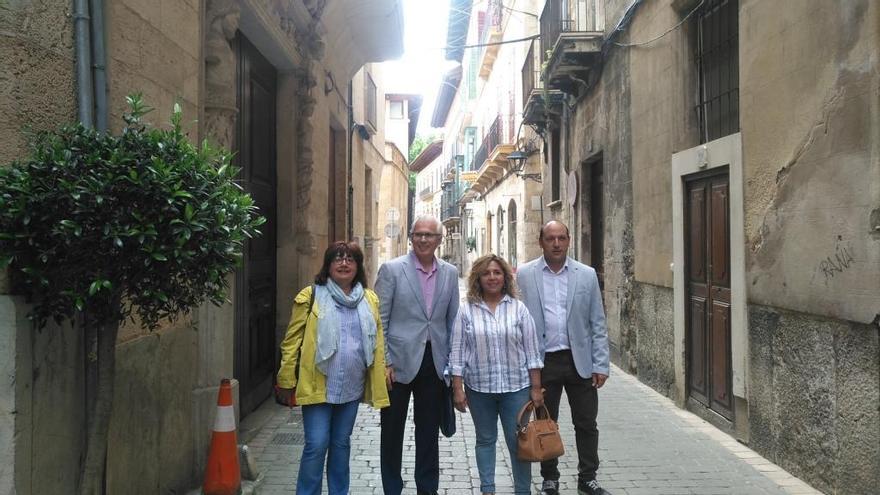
{"x":427,"y":391}
{"x":558,"y":373}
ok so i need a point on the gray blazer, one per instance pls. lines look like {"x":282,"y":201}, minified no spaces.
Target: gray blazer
{"x":405,"y":319}
{"x":587,"y":333}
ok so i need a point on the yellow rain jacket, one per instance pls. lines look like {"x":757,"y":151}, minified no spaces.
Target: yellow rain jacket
{"x":312,"y":385}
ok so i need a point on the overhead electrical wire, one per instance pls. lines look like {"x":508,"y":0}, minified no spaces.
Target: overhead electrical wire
{"x":664,"y":33}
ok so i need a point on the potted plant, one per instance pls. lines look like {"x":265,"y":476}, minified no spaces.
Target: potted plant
{"x":99,"y":228}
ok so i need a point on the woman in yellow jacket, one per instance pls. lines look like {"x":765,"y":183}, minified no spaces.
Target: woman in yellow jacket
{"x":332,"y":358}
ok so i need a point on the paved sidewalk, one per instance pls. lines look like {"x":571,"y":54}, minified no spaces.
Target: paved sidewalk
{"x":647,"y":446}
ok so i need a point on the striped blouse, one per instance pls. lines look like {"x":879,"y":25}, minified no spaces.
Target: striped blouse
{"x":494,"y":352}
{"x":347,"y":370}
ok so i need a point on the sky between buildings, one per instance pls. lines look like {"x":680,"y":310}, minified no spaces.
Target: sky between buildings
{"x":423,"y":64}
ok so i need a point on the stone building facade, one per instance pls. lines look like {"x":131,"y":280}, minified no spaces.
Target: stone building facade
{"x":281,"y":84}
{"x":718,"y":165}
{"x":402,"y":116}
{"x":488,"y":207}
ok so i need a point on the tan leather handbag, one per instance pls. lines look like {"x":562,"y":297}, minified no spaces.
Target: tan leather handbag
{"x":537,"y":440}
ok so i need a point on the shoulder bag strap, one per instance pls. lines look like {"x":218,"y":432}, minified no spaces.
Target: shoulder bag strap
{"x":299,"y":351}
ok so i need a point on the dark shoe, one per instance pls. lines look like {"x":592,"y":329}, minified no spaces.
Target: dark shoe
{"x":419,"y":492}
{"x":591,"y":488}
{"x":550,"y":487}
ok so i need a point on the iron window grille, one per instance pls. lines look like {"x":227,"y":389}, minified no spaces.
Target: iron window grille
{"x":718,"y":66}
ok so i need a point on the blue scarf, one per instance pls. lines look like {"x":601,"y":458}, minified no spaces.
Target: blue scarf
{"x":327,"y":296}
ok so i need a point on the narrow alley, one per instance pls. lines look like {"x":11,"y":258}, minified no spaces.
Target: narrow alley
{"x":647,"y":445}
{"x":212,"y":207}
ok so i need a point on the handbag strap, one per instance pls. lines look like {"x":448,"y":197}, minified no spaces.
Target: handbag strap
{"x":525,"y":413}
{"x":299,"y":351}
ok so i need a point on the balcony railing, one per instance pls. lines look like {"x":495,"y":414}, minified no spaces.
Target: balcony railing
{"x":449,"y":208}
{"x":581,"y":16}
{"x":479,"y":157}
{"x":531,"y":71}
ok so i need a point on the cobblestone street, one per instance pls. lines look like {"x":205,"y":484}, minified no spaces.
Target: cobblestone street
{"x":647,"y":446}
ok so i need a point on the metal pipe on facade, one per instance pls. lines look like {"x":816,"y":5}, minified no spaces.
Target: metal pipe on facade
{"x":350,"y":164}
{"x":99,"y":66}
{"x":83,"y":49}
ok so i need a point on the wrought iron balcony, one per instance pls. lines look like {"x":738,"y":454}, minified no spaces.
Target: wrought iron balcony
{"x":450,"y":211}
{"x":571,"y":39}
{"x":538,"y":102}
{"x":492,"y":154}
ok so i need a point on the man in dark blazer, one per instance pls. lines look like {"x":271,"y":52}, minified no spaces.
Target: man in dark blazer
{"x":418,"y":302}
{"x":564,"y":299}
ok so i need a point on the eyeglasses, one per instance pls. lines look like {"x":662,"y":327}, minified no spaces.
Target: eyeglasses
{"x":425,"y":235}
{"x":343,"y":258}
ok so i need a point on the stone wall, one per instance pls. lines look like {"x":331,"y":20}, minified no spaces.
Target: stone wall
{"x":154,"y":48}
{"x":813,"y":398}
{"x":528,"y":220}
{"x":653,"y":319}
{"x":599,"y":127}
{"x":41,"y":416}
{"x":393,"y":193}
{"x":37,"y":82}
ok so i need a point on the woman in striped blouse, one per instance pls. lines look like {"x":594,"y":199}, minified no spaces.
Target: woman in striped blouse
{"x":496,"y":364}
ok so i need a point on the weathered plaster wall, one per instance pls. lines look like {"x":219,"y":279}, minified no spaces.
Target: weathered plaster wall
{"x":37,"y":85}
{"x":154,"y":48}
{"x":150,"y":432}
{"x":810,"y":107}
{"x":663,"y":122}
{"x":41,"y":416}
{"x":52,"y":364}
{"x":600,"y":123}
{"x":813,"y":398}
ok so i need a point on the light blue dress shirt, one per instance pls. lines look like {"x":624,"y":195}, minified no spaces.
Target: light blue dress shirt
{"x":555,"y":314}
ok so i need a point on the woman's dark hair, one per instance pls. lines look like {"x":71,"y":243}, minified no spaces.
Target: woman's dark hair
{"x":342,"y":248}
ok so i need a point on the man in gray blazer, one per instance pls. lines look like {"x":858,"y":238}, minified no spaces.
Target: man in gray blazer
{"x":418,"y":302}
{"x":564,"y":299}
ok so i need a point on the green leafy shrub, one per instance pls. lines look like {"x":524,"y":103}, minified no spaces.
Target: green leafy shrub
{"x":142,"y":222}
{"x":471,"y":244}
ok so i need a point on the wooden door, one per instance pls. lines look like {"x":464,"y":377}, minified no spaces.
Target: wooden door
{"x":597,"y":222}
{"x":255,"y":284}
{"x":707,"y":231}
{"x":591,"y":213}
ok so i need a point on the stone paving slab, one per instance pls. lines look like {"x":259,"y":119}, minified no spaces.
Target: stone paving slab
{"x":647,"y":445}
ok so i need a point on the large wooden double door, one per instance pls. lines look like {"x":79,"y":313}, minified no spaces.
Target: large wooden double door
{"x":256,"y":281}
{"x":707,"y":237}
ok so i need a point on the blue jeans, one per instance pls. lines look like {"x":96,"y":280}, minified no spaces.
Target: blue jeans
{"x":485,"y":411}
{"x":328,"y":430}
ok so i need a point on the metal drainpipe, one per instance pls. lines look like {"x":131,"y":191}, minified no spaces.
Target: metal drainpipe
{"x":99,"y":64}
{"x":83,"y":62}
{"x":350,"y":206}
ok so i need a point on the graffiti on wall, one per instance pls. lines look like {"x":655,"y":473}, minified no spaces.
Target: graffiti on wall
{"x":838,"y":262}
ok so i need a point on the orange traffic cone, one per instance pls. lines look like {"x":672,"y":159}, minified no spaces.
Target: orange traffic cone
{"x":223,"y":474}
